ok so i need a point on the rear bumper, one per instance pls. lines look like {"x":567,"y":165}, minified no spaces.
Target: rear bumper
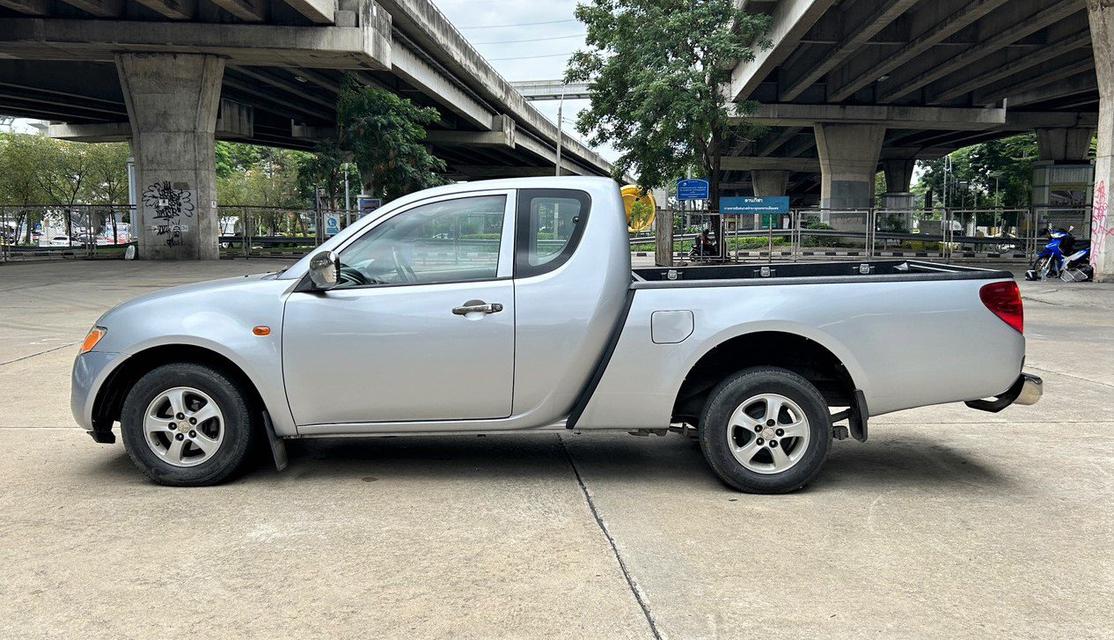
{"x":1027,"y":390}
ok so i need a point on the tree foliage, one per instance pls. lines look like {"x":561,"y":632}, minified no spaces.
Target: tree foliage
{"x":37,"y":170}
{"x":385,"y":135}
{"x":658,"y":71}
{"x":21,"y":158}
{"x":235,"y":157}
{"x":1007,"y":162}
{"x":326,"y":169}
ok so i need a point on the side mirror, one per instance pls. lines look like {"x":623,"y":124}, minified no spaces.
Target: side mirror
{"x":324,"y":267}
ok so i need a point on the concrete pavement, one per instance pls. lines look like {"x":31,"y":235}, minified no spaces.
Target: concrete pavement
{"x":947,"y":523}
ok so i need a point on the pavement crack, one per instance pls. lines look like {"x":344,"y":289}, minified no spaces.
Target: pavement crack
{"x":635,"y":590}
{"x":28,"y":357}
{"x":1061,"y":373}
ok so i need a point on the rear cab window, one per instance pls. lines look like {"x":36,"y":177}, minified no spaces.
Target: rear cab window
{"x":549,"y":225}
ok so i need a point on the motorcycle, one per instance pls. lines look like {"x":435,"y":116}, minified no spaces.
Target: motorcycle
{"x":700,"y":251}
{"x":1061,"y":259}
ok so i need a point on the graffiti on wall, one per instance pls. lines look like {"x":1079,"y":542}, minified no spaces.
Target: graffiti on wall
{"x":170,"y":204}
{"x":1100,"y":224}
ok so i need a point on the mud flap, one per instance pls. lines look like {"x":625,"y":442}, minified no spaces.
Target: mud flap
{"x":278,"y":446}
{"x":859,"y":415}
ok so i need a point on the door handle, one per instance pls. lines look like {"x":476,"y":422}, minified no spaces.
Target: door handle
{"x":477,"y":306}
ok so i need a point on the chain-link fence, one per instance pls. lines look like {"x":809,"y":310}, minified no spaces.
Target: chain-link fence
{"x":833,"y":234}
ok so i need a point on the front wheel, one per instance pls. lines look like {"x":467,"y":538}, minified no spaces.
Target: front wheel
{"x":765,"y":430}
{"x":186,"y":424}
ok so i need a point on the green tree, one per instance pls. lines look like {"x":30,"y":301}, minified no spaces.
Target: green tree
{"x":268,"y":186}
{"x":21,"y":155}
{"x":235,"y":157}
{"x":386,"y":136}
{"x":62,"y":175}
{"x":658,"y":71}
{"x":326,"y":169}
{"x":107,"y":184}
{"x":999,"y":173}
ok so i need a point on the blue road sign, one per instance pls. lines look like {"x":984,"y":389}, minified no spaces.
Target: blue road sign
{"x":692,"y":189}
{"x":763,"y":204}
{"x":366,"y":205}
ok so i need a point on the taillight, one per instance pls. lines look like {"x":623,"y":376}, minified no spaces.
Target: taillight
{"x":1004,"y":300}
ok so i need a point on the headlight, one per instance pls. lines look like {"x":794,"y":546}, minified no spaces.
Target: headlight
{"x":91,"y":340}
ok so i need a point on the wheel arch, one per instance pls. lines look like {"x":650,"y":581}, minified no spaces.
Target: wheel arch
{"x":814,"y":360}
{"x":110,"y":397}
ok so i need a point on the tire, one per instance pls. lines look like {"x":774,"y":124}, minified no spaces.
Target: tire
{"x":781,"y":462}
{"x":207,"y":452}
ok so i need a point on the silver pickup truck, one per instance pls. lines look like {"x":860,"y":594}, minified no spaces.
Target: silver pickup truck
{"x":511,"y":306}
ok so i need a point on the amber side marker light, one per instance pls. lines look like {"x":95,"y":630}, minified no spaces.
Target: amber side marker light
{"x":261,"y":330}
{"x":92,"y":338}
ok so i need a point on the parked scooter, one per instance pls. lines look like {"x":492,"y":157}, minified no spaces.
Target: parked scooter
{"x":703,"y":247}
{"x":1060,"y":258}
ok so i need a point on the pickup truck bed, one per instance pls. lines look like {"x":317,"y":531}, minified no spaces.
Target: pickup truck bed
{"x":860,"y":271}
{"x":897,"y":333}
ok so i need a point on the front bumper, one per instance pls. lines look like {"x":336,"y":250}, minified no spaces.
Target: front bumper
{"x":1027,"y":390}
{"x":89,"y":373}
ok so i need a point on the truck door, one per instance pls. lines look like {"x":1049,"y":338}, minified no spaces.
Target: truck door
{"x":421,"y":326}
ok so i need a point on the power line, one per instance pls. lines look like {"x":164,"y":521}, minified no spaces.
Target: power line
{"x":551,"y":55}
{"x":575,"y":35}
{"x":520,"y":24}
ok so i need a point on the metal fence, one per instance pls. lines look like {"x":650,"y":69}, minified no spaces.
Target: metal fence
{"x":89,"y":231}
{"x":59,"y":231}
{"x":38,"y":231}
{"x":827,"y":234}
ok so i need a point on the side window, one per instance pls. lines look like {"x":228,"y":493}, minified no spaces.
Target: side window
{"x":549,"y":225}
{"x":450,"y":241}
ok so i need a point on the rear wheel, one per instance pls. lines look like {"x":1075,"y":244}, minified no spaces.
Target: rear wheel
{"x":186,"y":425}
{"x":765,"y":430}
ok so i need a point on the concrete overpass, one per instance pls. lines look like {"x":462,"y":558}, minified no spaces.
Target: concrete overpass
{"x":853,"y":86}
{"x":173,"y":75}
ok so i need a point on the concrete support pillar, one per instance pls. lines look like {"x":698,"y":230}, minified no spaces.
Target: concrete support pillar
{"x":765,"y":183}
{"x":897,"y":202}
{"x":848,"y":163}
{"x":1064,"y":144}
{"x":1101,"y":15}
{"x":172,"y":101}
{"x":899,"y":174}
{"x":769,"y":183}
{"x":1064,"y":167}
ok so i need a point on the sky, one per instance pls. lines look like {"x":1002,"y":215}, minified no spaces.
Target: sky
{"x":508,"y":34}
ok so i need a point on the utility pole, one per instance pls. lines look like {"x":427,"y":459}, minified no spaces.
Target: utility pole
{"x":560,"y":130}
{"x":347,"y":202}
